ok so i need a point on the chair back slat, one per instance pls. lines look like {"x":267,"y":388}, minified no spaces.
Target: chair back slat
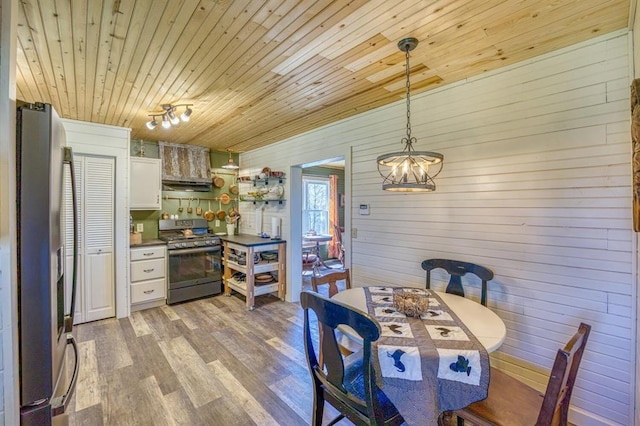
{"x":331,"y":278}
{"x":555,"y":406}
{"x":457,"y":269}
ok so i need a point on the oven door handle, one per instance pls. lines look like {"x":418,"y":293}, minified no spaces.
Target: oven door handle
{"x":210,"y":249}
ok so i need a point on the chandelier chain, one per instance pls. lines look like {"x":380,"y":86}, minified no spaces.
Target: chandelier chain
{"x":408,"y":86}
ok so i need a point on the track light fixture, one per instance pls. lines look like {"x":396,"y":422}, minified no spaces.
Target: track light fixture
{"x":169,"y":116}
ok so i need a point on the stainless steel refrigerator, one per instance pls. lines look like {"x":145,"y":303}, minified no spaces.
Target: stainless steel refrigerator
{"x":44,"y":328}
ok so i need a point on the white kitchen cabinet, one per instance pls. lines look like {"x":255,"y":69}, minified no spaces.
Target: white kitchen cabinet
{"x":95,"y":289}
{"x":99,"y":299}
{"x":145,"y":184}
{"x":148,"y":277}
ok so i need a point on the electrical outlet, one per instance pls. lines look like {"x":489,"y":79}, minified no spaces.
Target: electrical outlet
{"x":140,"y":227}
{"x":217,"y":222}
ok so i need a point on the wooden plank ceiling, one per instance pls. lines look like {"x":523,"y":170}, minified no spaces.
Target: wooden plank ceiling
{"x":259,"y":71}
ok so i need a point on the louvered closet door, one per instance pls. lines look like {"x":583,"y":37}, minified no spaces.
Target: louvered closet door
{"x":99,"y":265}
{"x":78,"y":163}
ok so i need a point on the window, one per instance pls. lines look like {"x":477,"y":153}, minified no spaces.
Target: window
{"x":315,"y":210}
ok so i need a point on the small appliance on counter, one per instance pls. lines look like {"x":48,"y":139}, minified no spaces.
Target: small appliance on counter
{"x":195,"y":259}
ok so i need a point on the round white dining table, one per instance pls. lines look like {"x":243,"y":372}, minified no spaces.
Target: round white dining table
{"x":317,"y":239}
{"x":488,"y":328}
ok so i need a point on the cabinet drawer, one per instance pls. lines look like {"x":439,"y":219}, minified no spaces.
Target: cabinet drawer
{"x":143,"y":270}
{"x":144,"y":253}
{"x":148,"y":290}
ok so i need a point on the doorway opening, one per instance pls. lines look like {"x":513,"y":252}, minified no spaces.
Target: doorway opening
{"x":319,"y":217}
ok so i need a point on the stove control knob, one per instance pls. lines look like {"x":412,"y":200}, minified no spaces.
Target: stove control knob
{"x":196,"y":243}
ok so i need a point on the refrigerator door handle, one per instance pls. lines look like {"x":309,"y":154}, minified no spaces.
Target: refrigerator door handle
{"x":59,"y":404}
{"x":68,"y":319}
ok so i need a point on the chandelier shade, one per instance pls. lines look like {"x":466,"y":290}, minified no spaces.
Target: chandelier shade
{"x":409,"y":170}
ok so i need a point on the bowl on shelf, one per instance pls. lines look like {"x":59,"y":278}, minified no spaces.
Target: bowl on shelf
{"x":254,"y":195}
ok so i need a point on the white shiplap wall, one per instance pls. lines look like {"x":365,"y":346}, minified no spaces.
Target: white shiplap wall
{"x":535,"y":186}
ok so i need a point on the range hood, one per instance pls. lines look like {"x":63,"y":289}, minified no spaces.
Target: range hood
{"x":185,"y":167}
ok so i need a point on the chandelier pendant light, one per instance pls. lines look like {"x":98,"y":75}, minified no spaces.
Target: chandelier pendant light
{"x":230,"y":164}
{"x":409,"y":170}
{"x":169,"y":117}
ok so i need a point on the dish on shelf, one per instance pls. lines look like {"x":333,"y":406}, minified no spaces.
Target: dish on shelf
{"x":263,"y":278}
{"x":274,"y":193}
{"x":239,"y":276}
{"x":220,"y":234}
{"x":269,"y":255}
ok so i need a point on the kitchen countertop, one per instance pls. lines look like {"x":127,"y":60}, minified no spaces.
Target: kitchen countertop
{"x":151,"y":242}
{"x":250,"y":240}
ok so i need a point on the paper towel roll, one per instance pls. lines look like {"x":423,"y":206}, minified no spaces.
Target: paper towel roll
{"x":275,"y":227}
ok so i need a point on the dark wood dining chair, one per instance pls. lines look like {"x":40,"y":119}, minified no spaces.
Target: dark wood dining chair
{"x":513,"y":403}
{"x":457,"y":270}
{"x":346,"y":383}
{"x":331,"y":278}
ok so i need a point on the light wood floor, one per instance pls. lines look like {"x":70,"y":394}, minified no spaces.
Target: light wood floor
{"x":205,"y":362}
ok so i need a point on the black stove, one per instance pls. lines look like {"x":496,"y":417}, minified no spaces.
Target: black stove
{"x":195,"y":260}
{"x":197,"y":234}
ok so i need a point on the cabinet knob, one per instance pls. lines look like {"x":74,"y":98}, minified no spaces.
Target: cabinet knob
{"x":149,"y":270}
{"x":147,"y":254}
{"x":149,"y":291}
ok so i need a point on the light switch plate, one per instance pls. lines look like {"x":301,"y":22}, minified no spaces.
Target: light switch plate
{"x":217,"y":222}
{"x":140,"y":227}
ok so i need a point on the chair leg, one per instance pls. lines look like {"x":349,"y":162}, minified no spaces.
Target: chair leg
{"x":445,"y":418}
{"x":318,"y":406}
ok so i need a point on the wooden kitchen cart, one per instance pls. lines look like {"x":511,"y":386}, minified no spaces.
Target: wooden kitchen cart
{"x":249,"y":246}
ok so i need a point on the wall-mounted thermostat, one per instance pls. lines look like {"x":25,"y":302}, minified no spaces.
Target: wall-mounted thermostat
{"x":364,"y":209}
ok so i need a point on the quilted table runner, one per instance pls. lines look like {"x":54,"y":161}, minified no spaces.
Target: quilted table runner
{"x":426,"y":365}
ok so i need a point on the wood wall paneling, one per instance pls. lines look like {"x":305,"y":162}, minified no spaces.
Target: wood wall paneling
{"x":535,"y":186}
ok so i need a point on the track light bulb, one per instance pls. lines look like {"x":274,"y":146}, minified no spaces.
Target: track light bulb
{"x":172,"y":117}
{"x":165,"y":121}
{"x":152,"y":124}
{"x":186,"y":114}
